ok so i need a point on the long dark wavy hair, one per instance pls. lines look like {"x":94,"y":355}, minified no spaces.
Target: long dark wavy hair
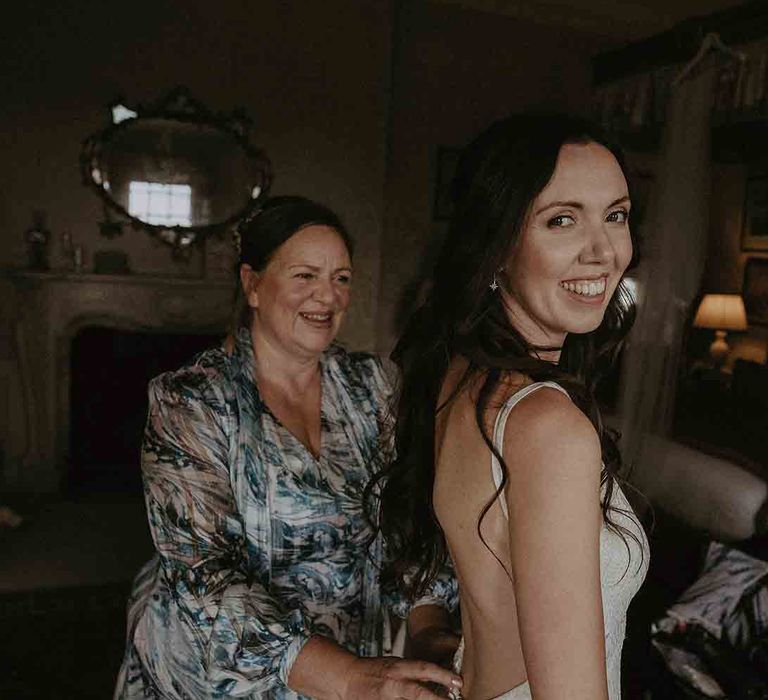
{"x":499,"y":175}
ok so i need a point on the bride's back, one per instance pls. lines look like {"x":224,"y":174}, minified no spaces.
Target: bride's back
{"x":493,"y":660}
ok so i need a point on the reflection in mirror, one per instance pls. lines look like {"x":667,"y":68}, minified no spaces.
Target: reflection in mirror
{"x":176,"y":169}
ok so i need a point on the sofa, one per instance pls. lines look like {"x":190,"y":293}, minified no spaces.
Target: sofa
{"x":695,"y":498}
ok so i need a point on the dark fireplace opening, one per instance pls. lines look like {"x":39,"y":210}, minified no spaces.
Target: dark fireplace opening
{"x":110,"y":370}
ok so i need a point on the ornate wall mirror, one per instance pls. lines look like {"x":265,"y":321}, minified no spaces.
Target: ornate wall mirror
{"x":175,"y":169}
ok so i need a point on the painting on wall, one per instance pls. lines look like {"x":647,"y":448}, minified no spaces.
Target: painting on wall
{"x":755,"y":231}
{"x":755,"y":290}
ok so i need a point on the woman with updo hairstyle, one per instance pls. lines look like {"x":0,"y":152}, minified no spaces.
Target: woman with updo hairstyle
{"x":265,"y":583}
{"x":503,"y":464}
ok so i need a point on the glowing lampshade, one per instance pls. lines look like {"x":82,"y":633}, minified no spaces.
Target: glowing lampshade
{"x":721,"y":312}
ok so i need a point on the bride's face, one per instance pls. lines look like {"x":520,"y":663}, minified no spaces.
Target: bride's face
{"x":572,"y":250}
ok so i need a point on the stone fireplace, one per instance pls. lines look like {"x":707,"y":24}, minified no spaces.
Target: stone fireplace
{"x":41,"y":314}
{"x":109,"y":372}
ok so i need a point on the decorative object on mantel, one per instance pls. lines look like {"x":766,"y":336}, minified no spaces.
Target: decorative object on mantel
{"x":38,"y":238}
{"x":721,"y":313}
{"x":175,"y":169}
{"x":67,"y":249}
{"x":78,"y":257}
{"x":71,"y":254}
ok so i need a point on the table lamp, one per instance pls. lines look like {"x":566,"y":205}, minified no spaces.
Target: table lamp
{"x":722,"y":313}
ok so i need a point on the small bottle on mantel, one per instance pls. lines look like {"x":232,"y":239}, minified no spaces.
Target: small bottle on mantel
{"x":37,"y":238}
{"x":67,"y":251}
{"x":78,"y":258}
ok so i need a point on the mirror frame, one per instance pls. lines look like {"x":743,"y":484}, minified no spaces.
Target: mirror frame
{"x":178,"y":105}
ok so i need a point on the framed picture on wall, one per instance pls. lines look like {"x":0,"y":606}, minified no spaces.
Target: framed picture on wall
{"x":755,"y":290}
{"x":445,"y":168}
{"x":755,"y":231}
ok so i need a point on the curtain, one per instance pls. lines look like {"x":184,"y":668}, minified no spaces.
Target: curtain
{"x":673,"y":246}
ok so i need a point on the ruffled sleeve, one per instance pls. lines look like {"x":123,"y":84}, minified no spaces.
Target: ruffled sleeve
{"x":217,"y":632}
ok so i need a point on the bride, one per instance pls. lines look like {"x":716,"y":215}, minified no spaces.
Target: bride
{"x":503,"y":464}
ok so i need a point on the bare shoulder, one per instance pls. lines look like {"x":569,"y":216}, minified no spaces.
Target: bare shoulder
{"x":547,"y":430}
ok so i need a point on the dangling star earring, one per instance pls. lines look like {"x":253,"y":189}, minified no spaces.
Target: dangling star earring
{"x":494,"y":285}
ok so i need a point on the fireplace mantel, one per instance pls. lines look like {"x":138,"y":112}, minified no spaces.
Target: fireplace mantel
{"x":40,"y":313}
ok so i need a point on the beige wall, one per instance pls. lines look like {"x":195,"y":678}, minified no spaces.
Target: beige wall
{"x":455,"y":71}
{"x":313,"y":76}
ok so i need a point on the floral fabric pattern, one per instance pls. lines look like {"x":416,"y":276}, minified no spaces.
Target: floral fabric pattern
{"x":259,"y":544}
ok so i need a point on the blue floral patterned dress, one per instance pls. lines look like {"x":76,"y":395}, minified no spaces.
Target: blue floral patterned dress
{"x":259,"y":544}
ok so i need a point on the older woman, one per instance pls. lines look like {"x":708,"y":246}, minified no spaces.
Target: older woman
{"x":255,"y":458}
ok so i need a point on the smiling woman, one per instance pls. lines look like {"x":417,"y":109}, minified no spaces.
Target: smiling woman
{"x":502,"y":462}
{"x":573,"y":250}
{"x":298,"y":301}
{"x":255,"y":458}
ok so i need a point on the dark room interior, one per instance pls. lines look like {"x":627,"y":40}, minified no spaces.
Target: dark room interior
{"x":363,"y":105}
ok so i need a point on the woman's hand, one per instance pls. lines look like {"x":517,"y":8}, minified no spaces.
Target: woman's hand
{"x":392,"y":678}
{"x":325,"y":671}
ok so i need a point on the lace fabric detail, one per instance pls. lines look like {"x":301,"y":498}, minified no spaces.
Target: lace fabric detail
{"x":623,"y":565}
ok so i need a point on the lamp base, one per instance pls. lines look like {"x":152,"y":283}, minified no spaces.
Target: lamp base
{"x":719,"y":349}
